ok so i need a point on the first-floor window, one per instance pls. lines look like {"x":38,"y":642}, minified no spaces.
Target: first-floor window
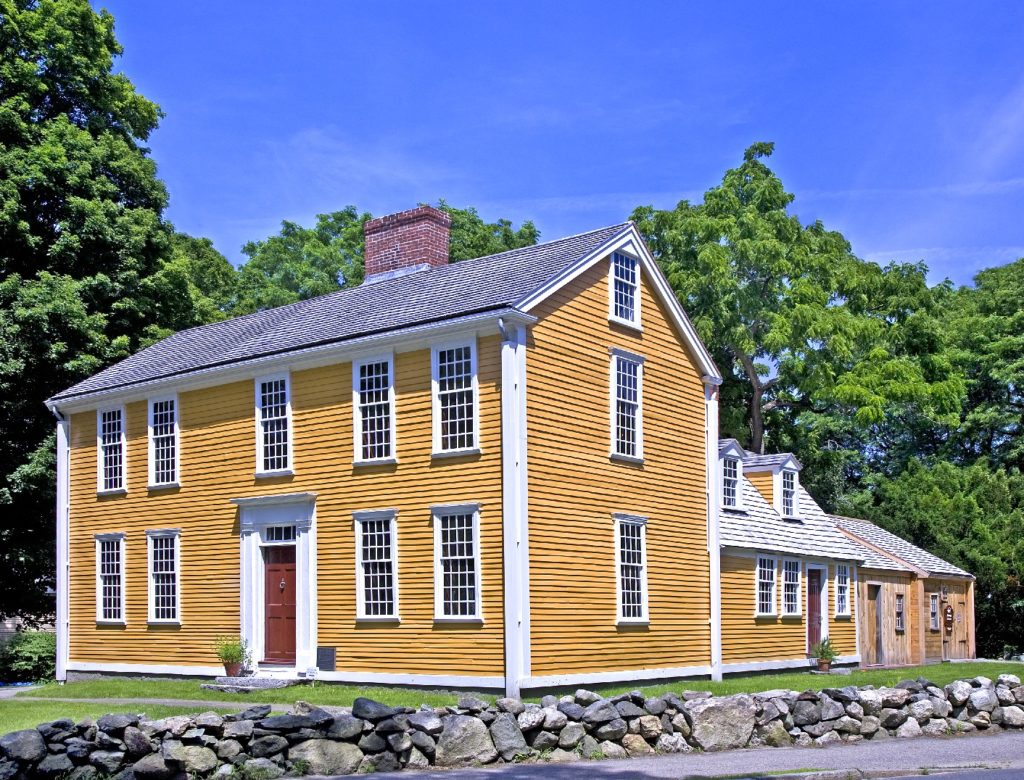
{"x":377,"y":564}
{"x":842,"y":589}
{"x":933,"y":611}
{"x":163,"y":576}
{"x":110,"y":578}
{"x":765,"y":585}
{"x":457,"y":550}
{"x":631,"y":544}
{"x":899,"y":612}
{"x":791,"y":587}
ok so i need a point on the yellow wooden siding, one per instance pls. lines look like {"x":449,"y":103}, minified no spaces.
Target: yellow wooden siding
{"x":575,"y":488}
{"x":899,"y":647}
{"x":764,"y":483}
{"x":842,"y":630}
{"x":218,"y":464}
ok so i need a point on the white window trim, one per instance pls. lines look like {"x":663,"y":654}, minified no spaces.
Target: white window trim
{"x":757,"y":586}
{"x":100,"y":490}
{"x":435,"y":400}
{"x":100,"y":620}
{"x":799,"y":588}
{"x":153,"y":484}
{"x":357,"y":417}
{"x":848,"y":612}
{"x":934,"y":620}
{"x":174,"y":533}
{"x":615,"y":354}
{"x":636,"y":322}
{"x":738,"y":506}
{"x":645,"y":616}
{"x":359,"y":518}
{"x":778,"y":487}
{"x":260,"y":471}
{"x":456,"y":509}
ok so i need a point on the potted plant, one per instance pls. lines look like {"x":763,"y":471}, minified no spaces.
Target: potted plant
{"x":233,"y":652}
{"x":824,"y":653}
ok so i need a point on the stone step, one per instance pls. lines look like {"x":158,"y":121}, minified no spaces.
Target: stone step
{"x":246,"y":684}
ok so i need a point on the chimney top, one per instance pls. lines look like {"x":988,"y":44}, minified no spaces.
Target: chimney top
{"x":405,"y":242}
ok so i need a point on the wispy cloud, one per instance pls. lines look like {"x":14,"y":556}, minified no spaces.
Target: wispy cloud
{"x":959,"y":263}
{"x":959,"y":189}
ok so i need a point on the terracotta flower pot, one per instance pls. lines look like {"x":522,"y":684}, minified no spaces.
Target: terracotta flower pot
{"x":824,"y":664}
{"x":233,"y":670}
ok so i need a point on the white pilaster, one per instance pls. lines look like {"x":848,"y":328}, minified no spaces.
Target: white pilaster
{"x":714,"y":498}
{"x":63,"y":562}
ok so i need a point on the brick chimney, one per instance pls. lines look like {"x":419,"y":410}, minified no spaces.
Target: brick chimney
{"x":408,"y":241}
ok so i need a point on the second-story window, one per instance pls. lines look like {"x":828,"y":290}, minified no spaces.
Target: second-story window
{"x":110,"y":438}
{"x":455,"y":398}
{"x":274,"y":423}
{"x":730,"y":482}
{"x":374,"y":398}
{"x":625,"y":301}
{"x":163,"y":441}
{"x":788,"y":494}
{"x":627,"y":399}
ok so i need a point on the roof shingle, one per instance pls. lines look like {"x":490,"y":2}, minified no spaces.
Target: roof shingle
{"x":901,"y":548}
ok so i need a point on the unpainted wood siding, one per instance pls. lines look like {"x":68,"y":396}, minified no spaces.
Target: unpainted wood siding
{"x":938,"y":644}
{"x":575,"y":488}
{"x":747,"y":637}
{"x":899,"y":648}
{"x":218,"y":464}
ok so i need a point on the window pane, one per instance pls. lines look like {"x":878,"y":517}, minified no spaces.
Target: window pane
{"x":274,"y":424}
{"x":730,"y":481}
{"x":788,"y":494}
{"x":627,"y":405}
{"x":455,"y":397}
{"x":625,"y":284}
{"x":631,"y":572}
{"x":164,"y":454}
{"x":842,"y":589}
{"x":165,"y":578}
{"x":765,"y":586}
{"x":375,"y":410}
{"x":791,"y":588}
{"x":378,"y":569}
{"x":110,"y":579}
{"x":458,"y":566}
{"x":111,"y":428}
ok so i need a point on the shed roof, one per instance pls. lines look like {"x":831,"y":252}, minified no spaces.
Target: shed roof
{"x":899,"y":547}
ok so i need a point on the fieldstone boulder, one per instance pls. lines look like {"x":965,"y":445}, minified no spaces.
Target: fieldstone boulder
{"x":854,"y":710}
{"x":831,"y":709}
{"x":345,"y":727}
{"x":115,"y":724}
{"x":599,"y":712}
{"x":869,"y":725}
{"x":559,"y":756}
{"x":871,"y":701}
{"x":53,"y":766}
{"x":721,"y":723}
{"x":368,"y":709}
{"x":585,"y":697}
{"x":611,"y":749}
{"x":922,"y":711}
{"x":554,"y":719}
{"x":655,"y":705}
{"x":650,"y":727}
{"x":828,"y":738}
{"x":507,"y":736}
{"x":894,"y":697}
{"x":1013,"y":716}
{"x":635,"y":745}
{"x":806,"y":712}
{"x":819,"y":729}
{"x":671,"y":743}
{"x":531,"y":718}
{"x":239,"y":729}
{"x":958,"y":692}
{"x":981,"y":682}
{"x":572,"y":710}
{"x":153,"y":767}
{"x":136,"y":743}
{"x":1009,"y":680}
{"x":510,"y":705}
{"x":417,"y":760}
{"x":981,"y":720}
{"x":423,"y":742}
{"x":263,"y":768}
{"x":27,"y":746}
{"x":936,"y":727}
{"x":570,"y":736}
{"x":613,"y":729}
{"x":847,"y":725}
{"x":627,"y":709}
{"x":680,"y":725}
{"x":326,"y":757}
{"x":910,"y":728}
{"x":892,"y":718}
{"x":109,"y":761}
{"x":983,"y":700}
{"x":774,"y":734}
{"x":372,"y":743}
{"x":226,"y":749}
{"x":427,"y":722}
{"x":544,"y":740}
{"x":464,"y":740}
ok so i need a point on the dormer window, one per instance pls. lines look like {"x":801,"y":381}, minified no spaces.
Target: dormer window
{"x":789,"y":494}
{"x":625,"y":282}
{"x":731,"y":482}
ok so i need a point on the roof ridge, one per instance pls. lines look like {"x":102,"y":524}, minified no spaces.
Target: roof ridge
{"x":541,"y":244}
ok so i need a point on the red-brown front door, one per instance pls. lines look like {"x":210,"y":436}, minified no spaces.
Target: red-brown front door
{"x":279,"y":576}
{"x":813,"y":608}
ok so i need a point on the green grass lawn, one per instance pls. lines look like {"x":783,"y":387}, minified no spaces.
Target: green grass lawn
{"x":17,"y":714}
{"x":343,"y":695}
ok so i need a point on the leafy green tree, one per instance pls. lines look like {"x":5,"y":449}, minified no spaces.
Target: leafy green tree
{"x":798,"y":322}
{"x":195,"y":285}
{"x":81,"y":239}
{"x":471,"y":237}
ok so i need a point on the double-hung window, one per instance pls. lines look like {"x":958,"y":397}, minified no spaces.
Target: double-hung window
{"x":843,"y":590}
{"x":376,"y":565}
{"x":766,"y":596}
{"x":273,"y":425}
{"x":631,"y":563}
{"x":933,"y":611}
{"x":457,"y":563}
{"x":373,"y":400}
{"x":110,"y":443}
{"x":625,"y":300}
{"x":789,"y":494}
{"x":790,"y":587}
{"x":731,"y":482}
{"x":627,"y":376}
{"x":164,"y":576}
{"x":110,"y":578}
{"x":900,"y":621}
{"x":163,"y":441}
{"x":455,"y":398}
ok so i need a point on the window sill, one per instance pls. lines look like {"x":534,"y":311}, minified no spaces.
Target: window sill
{"x":163,"y":486}
{"x":112,"y":492}
{"x":173,"y":623}
{"x":120,"y":623}
{"x":626,"y":324}
{"x":275,"y":473}
{"x":632,"y":459}
{"x":374,"y":462}
{"x":478,"y":621}
{"x":738,"y":509}
{"x":794,"y":616}
{"x":765,"y":616}
{"x":455,"y":453}
{"x":795,"y":518}
{"x":624,"y":623}
{"x":844,"y":616}
{"x":378,"y":619}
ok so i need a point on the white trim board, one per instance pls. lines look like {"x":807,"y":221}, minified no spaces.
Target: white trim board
{"x":102,"y":666}
{"x":63,"y":624}
{"x":624,"y":675}
{"x":788,"y":663}
{"x":464,"y":682}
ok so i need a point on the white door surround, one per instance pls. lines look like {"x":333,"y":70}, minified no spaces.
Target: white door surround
{"x":255,"y":515}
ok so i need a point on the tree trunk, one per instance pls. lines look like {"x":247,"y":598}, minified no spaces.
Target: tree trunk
{"x":756,"y":413}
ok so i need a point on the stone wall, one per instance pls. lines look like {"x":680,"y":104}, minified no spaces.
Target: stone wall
{"x":255,"y":745}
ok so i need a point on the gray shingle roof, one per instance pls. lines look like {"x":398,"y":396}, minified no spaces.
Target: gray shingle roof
{"x":899,"y":547}
{"x":469,"y":287}
{"x":760,"y":527}
{"x":753,"y":460}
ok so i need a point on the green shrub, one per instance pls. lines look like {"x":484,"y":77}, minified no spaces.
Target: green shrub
{"x":29,"y":656}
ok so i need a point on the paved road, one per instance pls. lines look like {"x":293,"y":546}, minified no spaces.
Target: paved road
{"x":995,"y":751}
{"x":975,"y":774}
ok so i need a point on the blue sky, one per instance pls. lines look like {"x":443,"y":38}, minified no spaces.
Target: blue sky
{"x":900,"y":124}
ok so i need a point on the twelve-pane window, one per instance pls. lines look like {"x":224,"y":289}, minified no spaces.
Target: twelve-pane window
{"x":632,"y":570}
{"x":842,"y":589}
{"x":273,"y":407}
{"x":730,"y":481}
{"x":899,"y":612}
{"x":164,"y":441}
{"x":457,"y":557}
{"x":624,"y":287}
{"x":111,"y":584}
{"x":374,"y":410}
{"x":111,"y":449}
{"x":456,"y":415}
{"x":788,"y":494}
{"x":377,"y":566}
{"x":163,"y":573}
{"x":766,"y":586}
{"x":791,"y":587}
{"x":626,"y":433}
